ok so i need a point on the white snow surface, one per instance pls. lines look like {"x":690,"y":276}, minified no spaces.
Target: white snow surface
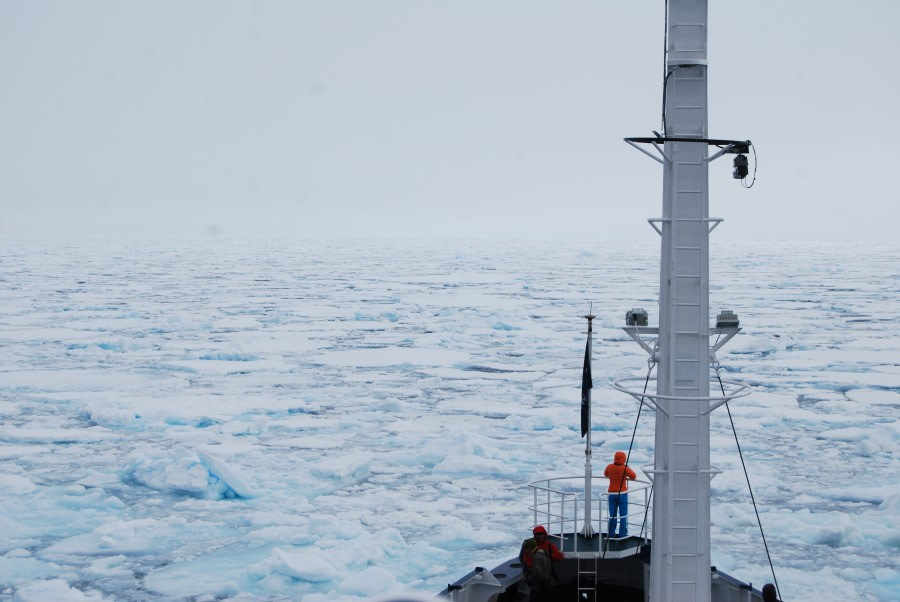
{"x":271,"y":420}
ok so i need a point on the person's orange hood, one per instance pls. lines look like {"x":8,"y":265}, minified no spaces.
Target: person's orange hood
{"x":619,"y":458}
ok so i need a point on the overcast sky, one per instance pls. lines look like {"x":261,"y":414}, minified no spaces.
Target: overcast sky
{"x":425,"y":117}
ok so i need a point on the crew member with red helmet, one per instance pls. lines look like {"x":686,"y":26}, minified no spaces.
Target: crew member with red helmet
{"x":540,"y":540}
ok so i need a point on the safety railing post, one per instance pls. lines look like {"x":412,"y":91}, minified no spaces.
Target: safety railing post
{"x":562,"y":514}
{"x":604,"y":520}
{"x":647,"y":512}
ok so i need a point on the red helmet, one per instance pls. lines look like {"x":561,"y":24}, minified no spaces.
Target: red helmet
{"x":539,"y":529}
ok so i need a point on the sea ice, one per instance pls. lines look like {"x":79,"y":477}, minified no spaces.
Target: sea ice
{"x":333,"y":420}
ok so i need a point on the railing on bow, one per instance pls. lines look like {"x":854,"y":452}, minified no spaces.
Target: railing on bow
{"x":559,"y":505}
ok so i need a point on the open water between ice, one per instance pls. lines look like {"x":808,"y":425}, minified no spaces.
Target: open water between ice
{"x":256,"y":420}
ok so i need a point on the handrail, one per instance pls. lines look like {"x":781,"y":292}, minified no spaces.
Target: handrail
{"x":561,"y":508}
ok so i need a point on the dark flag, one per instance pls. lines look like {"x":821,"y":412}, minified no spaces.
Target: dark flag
{"x":586,"y":385}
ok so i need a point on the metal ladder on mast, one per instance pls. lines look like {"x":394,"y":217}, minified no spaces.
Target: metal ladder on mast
{"x":685,"y":413}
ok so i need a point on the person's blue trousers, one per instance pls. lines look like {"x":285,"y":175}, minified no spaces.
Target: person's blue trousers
{"x":618,"y":506}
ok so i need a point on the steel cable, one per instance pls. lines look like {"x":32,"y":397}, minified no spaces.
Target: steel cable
{"x":752,"y":497}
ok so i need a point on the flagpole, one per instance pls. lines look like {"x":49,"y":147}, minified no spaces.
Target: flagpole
{"x":586,"y":386}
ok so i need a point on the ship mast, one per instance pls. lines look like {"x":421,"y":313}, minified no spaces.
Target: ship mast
{"x":680,"y":556}
{"x":680,"y":550}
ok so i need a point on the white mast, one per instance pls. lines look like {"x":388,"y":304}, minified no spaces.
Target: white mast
{"x":680,"y":557}
{"x":680,"y":551}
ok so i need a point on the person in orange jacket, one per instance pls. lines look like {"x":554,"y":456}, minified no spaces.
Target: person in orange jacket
{"x":618,"y":474}
{"x":540,"y":540}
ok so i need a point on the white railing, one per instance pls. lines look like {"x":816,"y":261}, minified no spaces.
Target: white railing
{"x":559,"y":505}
